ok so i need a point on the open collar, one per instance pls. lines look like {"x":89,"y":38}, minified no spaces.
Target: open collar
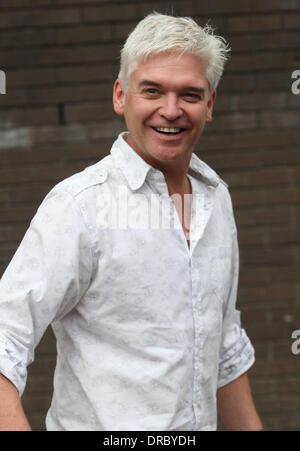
{"x":136,"y":169}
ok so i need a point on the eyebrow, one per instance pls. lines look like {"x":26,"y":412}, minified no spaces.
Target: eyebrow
{"x":149,"y":83}
{"x":158,"y":85}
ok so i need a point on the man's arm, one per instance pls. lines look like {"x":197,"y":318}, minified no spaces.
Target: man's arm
{"x":12,"y":417}
{"x":236,"y":407}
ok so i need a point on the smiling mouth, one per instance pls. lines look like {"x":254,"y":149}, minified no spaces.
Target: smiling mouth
{"x":168,"y":131}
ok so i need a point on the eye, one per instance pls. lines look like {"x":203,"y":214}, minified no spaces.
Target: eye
{"x":150,"y":91}
{"x":192,"y":97}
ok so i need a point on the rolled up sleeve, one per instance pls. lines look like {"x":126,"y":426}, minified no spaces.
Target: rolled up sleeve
{"x":46,"y":278}
{"x":237,"y":352}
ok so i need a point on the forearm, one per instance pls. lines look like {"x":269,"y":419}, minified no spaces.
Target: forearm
{"x":236,"y":407}
{"x":12,"y":417}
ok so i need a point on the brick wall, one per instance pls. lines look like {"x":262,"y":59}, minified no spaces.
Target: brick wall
{"x":61,"y":58}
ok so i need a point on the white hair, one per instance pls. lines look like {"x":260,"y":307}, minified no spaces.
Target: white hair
{"x":158,"y":33}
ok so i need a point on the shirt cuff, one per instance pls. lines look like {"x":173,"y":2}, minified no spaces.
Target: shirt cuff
{"x":236,"y":360}
{"x":12,"y":368}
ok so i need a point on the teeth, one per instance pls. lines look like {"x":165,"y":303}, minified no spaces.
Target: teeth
{"x":167,"y":130}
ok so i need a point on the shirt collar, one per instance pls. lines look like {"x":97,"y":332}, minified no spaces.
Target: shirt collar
{"x":203,"y":172}
{"x":136,"y":169}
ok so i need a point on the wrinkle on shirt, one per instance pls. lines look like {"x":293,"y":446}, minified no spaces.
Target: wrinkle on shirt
{"x":147,"y":328}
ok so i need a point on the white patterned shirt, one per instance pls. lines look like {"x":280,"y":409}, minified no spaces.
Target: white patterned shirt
{"x":146,"y":325}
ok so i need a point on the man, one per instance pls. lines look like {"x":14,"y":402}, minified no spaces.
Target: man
{"x":134,"y":262}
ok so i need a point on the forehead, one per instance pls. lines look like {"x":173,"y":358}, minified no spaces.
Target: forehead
{"x":183,"y":68}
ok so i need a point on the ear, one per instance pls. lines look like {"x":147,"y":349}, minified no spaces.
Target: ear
{"x":118,"y":97}
{"x":210,"y":105}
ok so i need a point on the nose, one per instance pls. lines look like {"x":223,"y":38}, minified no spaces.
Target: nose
{"x":170,"y":108}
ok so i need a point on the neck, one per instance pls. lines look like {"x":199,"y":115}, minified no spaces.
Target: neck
{"x":176,"y":176}
{"x":175,"y":172}
{"x":179,"y":184}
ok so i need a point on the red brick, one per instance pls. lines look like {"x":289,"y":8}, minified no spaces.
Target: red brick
{"x":253,"y":142}
{"x":24,"y":3}
{"x":295,"y":175}
{"x":282,"y":195}
{"x":17,"y":214}
{"x":112,"y":13}
{"x":252,"y":23}
{"x":29,"y":156}
{"x":257,"y":101}
{"x":291,"y":20}
{"x":93,"y":111}
{"x":41,"y":174}
{"x":257,"y":315}
{"x":235,"y":6}
{"x":273,"y":293}
{"x":284,"y":236}
{"x":272,"y":81}
{"x":234,"y":160}
{"x":28,"y":37}
{"x":286,"y":315}
{"x":75,"y":2}
{"x":11,"y":233}
{"x":263,"y":386}
{"x":261,"y":61}
{"x":280,"y":404}
{"x":253,"y":276}
{"x":59,"y":55}
{"x":57,"y":94}
{"x":247,"y":198}
{"x":264,"y":177}
{"x":82,"y":34}
{"x":27,"y":194}
{"x":253,"y":238}
{"x":256,"y":139}
{"x":279,"y":157}
{"x":30,"y":77}
{"x":273,"y":257}
{"x":274,"y":119}
{"x":39,"y":17}
{"x":236,"y":82}
{"x":297,"y":214}
{"x":275,"y":5}
{"x":265,"y":41}
{"x":134,"y":11}
{"x":7,"y":251}
{"x":256,"y":217}
{"x":233,"y":121}
{"x":289,"y":274}
{"x":89,"y":73}
{"x":28,"y":116}
{"x":226,"y":7}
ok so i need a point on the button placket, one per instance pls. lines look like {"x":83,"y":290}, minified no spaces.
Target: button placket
{"x":197,"y":344}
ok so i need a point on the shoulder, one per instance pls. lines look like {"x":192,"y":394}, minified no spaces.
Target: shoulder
{"x":224,"y":201}
{"x":77,"y":192}
{"x":96,"y":174}
{"x":83,"y":181}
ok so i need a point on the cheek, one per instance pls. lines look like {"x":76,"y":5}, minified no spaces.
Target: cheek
{"x":135,"y":111}
{"x":201,"y":118}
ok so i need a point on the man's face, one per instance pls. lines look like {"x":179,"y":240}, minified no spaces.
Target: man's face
{"x":166,"y":107}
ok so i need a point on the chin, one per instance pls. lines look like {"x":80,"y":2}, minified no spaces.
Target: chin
{"x":170,"y":154}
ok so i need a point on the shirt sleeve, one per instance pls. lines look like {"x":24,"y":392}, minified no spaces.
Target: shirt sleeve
{"x":237,"y":352}
{"x":45,"y":279}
